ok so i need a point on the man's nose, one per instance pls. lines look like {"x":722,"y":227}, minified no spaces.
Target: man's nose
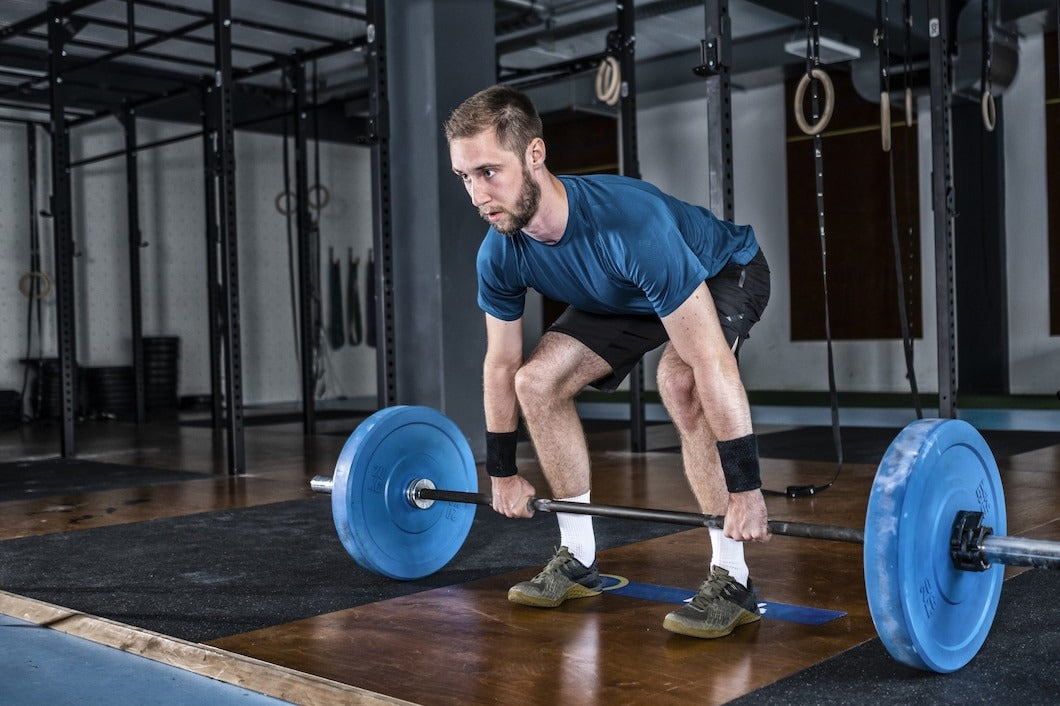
{"x":479,"y":197}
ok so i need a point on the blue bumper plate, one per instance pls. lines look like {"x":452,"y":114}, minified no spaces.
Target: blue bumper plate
{"x":929,"y":614}
{"x":376,"y":521}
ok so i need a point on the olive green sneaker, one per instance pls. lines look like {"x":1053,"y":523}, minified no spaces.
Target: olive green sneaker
{"x":562,"y":578}
{"x":720,"y":607}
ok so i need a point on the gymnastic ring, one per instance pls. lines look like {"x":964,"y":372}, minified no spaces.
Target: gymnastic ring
{"x":322,"y":198}
{"x":284,"y":197}
{"x":608,"y":81}
{"x":909,"y":106}
{"x":989,"y":111}
{"x":829,"y":102}
{"x":885,"y":121}
{"x":25,"y":285}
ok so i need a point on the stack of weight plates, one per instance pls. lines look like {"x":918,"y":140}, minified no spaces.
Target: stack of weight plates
{"x":47,"y":402}
{"x":109,"y":390}
{"x":161,"y":355}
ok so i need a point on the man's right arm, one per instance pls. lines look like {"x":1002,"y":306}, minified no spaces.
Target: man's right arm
{"x":504,"y":355}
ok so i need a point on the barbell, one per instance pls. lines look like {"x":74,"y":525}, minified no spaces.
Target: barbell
{"x":404,"y":492}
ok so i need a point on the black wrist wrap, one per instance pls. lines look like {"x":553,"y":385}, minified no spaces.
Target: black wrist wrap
{"x":500,"y":453}
{"x":739,"y":463}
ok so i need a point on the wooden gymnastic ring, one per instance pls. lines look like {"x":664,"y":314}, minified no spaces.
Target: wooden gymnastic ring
{"x":609,"y":81}
{"x":284,"y":198}
{"x":989,"y":111}
{"x":829,"y":102}
{"x":25,"y":284}
{"x":885,"y":121}
{"x":323,"y":196}
{"x":909,"y":106}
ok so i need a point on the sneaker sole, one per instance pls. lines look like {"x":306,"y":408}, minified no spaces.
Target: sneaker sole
{"x":575,"y":591}
{"x":675,"y":625}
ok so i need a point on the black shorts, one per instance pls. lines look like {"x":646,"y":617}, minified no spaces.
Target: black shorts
{"x":740,"y":294}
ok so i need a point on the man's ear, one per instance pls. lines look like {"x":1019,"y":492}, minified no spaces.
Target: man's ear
{"x":535,"y":152}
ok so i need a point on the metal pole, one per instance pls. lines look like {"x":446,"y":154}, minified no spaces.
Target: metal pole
{"x":208,"y":110}
{"x":623,"y":44}
{"x":132,"y":192}
{"x":227,"y":232}
{"x":308,"y":261}
{"x":717,"y":49}
{"x":61,"y":212}
{"x":943,"y":203}
{"x":382,"y":237}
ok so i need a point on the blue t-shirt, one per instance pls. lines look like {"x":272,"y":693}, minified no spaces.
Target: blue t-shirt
{"x":628,"y":249}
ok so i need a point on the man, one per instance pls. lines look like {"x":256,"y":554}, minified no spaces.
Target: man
{"x":639,"y":269}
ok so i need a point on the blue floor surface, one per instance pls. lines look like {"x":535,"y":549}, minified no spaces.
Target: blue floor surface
{"x":39,"y":665}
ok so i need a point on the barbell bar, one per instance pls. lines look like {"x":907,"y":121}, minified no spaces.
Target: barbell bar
{"x":405,"y":488}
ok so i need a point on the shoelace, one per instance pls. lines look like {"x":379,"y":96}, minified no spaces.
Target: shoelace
{"x":712,"y":588}
{"x":555,"y":564}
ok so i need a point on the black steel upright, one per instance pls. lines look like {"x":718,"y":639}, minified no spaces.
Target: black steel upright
{"x":382,"y":237}
{"x":622,"y":44}
{"x":62,"y":228}
{"x":943,"y":201}
{"x":308,"y":260}
{"x":717,"y":57}
{"x":132,"y":191}
{"x":210,"y":162}
{"x":226,"y":202}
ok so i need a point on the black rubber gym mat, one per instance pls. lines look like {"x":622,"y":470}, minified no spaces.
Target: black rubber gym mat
{"x":1017,"y":664}
{"x":868,"y":444}
{"x":211,"y":575}
{"x":21,"y":480}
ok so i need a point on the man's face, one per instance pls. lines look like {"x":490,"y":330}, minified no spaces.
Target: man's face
{"x":497,"y":180}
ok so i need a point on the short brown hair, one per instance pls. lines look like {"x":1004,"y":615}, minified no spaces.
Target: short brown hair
{"x":511,"y":112}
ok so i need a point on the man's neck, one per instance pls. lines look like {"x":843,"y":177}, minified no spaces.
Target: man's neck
{"x":550,"y":222}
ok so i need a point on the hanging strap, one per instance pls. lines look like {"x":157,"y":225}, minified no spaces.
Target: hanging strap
{"x":353,"y":302}
{"x":336,"y":325}
{"x":813,"y":54}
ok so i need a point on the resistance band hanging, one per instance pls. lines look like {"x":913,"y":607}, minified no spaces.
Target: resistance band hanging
{"x":882,"y":17}
{"x":336,"y":324}
{"x":353,"y":302}
{"x":369,"y":301}
{"x":989,"y":110}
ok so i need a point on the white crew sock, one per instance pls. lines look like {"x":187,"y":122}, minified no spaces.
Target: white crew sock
{"x":728,"y":554}
{"x":576,"y":532}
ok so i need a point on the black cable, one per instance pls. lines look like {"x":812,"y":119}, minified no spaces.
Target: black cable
{"x":903,"y":315}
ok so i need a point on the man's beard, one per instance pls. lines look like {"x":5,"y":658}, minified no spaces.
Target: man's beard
{"x":529,"y":198}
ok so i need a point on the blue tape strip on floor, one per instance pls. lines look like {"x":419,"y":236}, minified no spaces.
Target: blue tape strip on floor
{"x":666,"y":594}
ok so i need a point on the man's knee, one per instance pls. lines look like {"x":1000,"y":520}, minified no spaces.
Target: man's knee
{"x":534,"y":383}
{"x":677,"y":387}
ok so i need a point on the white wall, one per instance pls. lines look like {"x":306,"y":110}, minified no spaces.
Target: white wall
{"x":173,"y":262}
{"x":1034,"y":355}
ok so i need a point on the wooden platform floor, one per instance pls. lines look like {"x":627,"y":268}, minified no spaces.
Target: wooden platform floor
{"x":467,"y":644}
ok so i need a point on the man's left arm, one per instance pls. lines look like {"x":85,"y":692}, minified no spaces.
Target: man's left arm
{"x":697,"y":338}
